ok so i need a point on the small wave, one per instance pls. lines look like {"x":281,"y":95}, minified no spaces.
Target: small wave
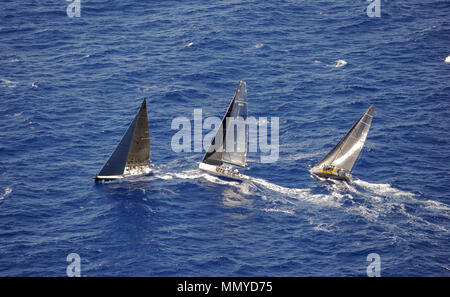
{"x":436,"y":205}
{"x":286,"y":211}
{"x":6,"y":193}
{"x":324,"y":227}
{"x":8,"y":83}
{"x":233,"y":198}
{"x":188,"y":174}
{"x":301,"y":156}
{"x":382,"y":189}
{"x":165,"y":176}
{"x":15,"y":114}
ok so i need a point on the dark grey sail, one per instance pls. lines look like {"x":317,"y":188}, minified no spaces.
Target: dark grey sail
{"x":139,"y":152}
{"x":133,"y":149}
{"x":230,"y":142}
{"x":345,"y":153}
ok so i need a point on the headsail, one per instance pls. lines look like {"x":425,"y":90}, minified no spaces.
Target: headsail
{"x":133,"y":149}
{"x":345,"y":153}
{"x":230,"y":143}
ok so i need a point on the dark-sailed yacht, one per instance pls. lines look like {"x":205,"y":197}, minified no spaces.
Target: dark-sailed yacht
{"x":340,"y":160}
{"x":131,"y":156}
{"x":228,"y":148}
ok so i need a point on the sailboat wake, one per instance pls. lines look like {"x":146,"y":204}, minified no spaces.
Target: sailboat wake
{"x":252,"y":186}
{"x":385,"y":190}
{"x":338,"y":191}
{"x":291,"y":195}
{"x":370,"y":201}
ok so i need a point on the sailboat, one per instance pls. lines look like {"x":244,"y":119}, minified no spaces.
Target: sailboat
{"x":227,"y":148}
{"x":130,"y":158}
{"x":338,"y":163}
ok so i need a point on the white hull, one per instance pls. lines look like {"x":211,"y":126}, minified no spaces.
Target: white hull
{"x":128,"y":172}
{"x":215,"y":170}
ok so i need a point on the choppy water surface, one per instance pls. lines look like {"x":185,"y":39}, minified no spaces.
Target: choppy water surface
{"x":70,"y":86}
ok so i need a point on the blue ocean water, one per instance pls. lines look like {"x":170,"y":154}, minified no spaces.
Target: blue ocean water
{"x":69,"y":87}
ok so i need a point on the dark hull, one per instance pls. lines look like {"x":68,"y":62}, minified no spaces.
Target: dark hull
{"x":128,"y":174}
{"x":331,"y":174}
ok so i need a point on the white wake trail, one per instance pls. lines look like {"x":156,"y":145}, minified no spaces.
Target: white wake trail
{"x":382,"y":189}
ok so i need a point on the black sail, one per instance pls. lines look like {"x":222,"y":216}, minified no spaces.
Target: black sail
{"x":235,"y":151}
{"x":139,"y":152}
{"x":345,"y":153}
{"x":134,"y":147}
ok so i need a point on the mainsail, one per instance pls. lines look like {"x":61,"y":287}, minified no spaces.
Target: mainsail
{"x":345,"y":153}
{"x":230,"y":143}
{"x":134,"y":148}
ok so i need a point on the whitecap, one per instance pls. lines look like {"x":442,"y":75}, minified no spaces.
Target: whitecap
{"x":436,"y":205}
{"x":300,"y":194}
{"x":285,"y":211}
{"x":339,"y":63}
{"x":165,"y":176}
{"x":382,"y":189}
{"x":188,"y":174}
{"x":447,"y":60}
{"x":6,"y":193}
{"x":189,"y":44}
{"x":323,"y":227}
{"x":259,"y":45}
{"x":34,"y":85}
